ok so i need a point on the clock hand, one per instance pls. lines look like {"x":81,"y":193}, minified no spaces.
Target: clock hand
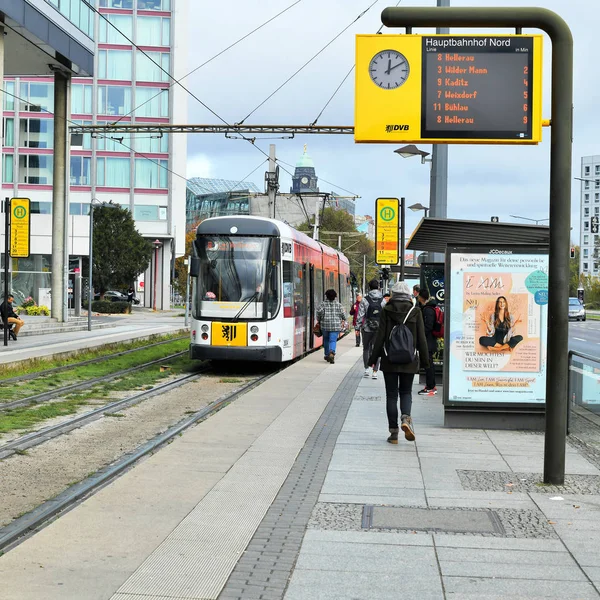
{"x":392,"y":68}
{"x":389,"y":66}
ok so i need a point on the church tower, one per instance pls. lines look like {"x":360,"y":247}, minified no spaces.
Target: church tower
{"x":304,"y":178}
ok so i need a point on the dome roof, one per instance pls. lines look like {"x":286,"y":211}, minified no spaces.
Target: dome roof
{"x":305,"y":160}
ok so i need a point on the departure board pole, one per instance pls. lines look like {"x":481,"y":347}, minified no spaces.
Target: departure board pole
{"x":560,"y":192}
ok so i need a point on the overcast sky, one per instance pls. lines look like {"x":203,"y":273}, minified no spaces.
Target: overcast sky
{"x":482,"y":180}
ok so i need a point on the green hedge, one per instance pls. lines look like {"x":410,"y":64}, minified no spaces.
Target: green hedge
{"x":105,"y":307}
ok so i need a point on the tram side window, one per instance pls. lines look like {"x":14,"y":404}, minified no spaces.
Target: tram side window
{"x":288,"y":288}
{"x":319,"y":292}
{"x":329,"y":280}
{"x":299,"y":302}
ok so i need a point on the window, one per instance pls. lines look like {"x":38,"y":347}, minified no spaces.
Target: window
{"x":586,"y":185}
{"x":162,"y":213}
{"x":107,"y":34}
{"x":597,"y":169}
{"x":80,"y":170}
{"x":8,"y":168}
{"x":112,"y":143}
{"x":85,"y":137}
{"x":152,"y":143}
{"x":114,"y":100}
{"x":37,"y":97}
{"x":597,"y":184}
{"x":585,"y":266}
{"x":113,"y":172}
{"x":35,"y":168}
{"x":595,"y":240}
{"x":9,"y":133}
{"x":41,"y":208}
{"x":147,"y":68}
{"x":151,"y":102}
{"x":586,"y":225}
{"x":116,"y":4}
{"x":9,"y":97}
{"x":585,"y":253}
{"x":114,"y":64}
{"x":585,"y":239}
{"x":36,"y":133}
{"x":153,"y":31}
{"x":154,"y":4}
{"x":78,"y":13}
{"x":586,"y":197}
{"x":597,"y":210}
{"x":586,"y":212}
{"x":81,"y":99}
{"x":149,"y":174}
{"x":586,"y":170}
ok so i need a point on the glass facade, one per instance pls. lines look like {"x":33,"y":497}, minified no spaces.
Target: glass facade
{"x":78,"y":13}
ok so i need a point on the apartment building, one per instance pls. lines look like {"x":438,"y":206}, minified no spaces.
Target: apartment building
{"x":589,"y":261}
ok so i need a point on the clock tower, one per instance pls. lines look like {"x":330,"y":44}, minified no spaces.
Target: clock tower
{"x":304,"y":178}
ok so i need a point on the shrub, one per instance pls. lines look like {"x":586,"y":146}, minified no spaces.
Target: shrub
{"x":36,"y":311}
{"x":28,"y":302}
{"x":107,"y":308}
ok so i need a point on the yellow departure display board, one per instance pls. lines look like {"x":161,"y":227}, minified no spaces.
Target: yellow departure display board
{"x":387,"y":235}
{"x":483,"y":89}
{"x":20,"y":218}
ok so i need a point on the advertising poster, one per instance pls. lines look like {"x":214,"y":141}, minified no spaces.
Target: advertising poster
{"x":496,"y":325}
{"x":433,"y":280}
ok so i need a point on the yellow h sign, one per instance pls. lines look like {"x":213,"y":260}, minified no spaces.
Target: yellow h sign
{"x":20,"y":218}
{"x":387,"y":223}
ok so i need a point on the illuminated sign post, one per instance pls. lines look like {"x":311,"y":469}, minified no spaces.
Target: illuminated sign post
{"x":449,"y":89}
{"x":387,"y":223}
{"x":20,"y":218}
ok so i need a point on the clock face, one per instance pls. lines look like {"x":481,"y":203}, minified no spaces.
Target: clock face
{"x":389,"y":69}
{"x":304,"y":180}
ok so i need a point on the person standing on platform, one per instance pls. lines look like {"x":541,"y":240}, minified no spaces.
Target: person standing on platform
{"x":428,"y":306}
{"x":331,"y":316}
{"x":399,"y":377}
{"x":368,"y":316}
{"x":354,"y":315}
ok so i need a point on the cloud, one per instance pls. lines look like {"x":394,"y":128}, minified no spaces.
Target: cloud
{"x":199,"y":165}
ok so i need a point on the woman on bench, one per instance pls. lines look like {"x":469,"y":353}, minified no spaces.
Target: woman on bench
{"x":10,"y":316}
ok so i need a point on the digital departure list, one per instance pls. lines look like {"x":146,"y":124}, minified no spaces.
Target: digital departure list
{"x":477,"y":87}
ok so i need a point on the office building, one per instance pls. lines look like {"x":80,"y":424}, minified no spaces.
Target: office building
{"x":142,"y":172}
{"x":589,"y":261}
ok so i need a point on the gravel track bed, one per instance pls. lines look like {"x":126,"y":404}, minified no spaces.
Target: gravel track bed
{"x":28,"y":480}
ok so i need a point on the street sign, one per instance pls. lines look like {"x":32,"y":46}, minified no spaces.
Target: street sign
{"x":387,"y":238}
{"x":449,"y":89}
{"x":20,"y":217}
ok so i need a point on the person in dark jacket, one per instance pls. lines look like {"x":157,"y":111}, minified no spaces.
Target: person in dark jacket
{"x":399,"y":378}
{"x":11,"y":317}
{"x":428,"y":305}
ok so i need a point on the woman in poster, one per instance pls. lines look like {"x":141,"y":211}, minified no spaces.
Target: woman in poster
{"x":500,"y":328}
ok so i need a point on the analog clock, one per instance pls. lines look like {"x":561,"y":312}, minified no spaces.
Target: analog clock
{"x":304,"y":180}
{"x":389,"y":69}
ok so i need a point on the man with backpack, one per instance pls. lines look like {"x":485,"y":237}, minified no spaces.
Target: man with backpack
{"x":433,"y":319}
{"x":399,"y":336}
{"x":369,"y":312}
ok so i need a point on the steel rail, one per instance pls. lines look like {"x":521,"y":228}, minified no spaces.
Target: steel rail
{"x":44,"y":396}
{"x":29,"y":523}
{"x":47,"y":433}
{"x":91,"y":361}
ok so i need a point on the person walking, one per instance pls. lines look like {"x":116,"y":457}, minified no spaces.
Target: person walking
{"x":354,"y":315}
{"x":331,"y":316}
{"x":428,"y":306}
{"x":368,"y":317}
{"x":399,"y":377}
{"x":10,"y":316}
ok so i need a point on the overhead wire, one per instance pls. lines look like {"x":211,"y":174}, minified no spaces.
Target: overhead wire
{"x":210,"y":60}
{"x":309,"y":61}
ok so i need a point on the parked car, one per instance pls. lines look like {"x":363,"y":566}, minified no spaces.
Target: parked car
{"x":576,"y":310}
{"x":112,"y":296}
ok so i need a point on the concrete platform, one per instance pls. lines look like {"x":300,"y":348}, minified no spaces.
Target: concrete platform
{"x":267,"y":499}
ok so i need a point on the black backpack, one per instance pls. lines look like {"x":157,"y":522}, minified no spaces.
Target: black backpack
{"x":399,"y":348}
{"x":373,"y":313}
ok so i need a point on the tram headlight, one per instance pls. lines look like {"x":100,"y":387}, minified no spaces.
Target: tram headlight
{"x":204,"y":328}
{"x":254,"y":329}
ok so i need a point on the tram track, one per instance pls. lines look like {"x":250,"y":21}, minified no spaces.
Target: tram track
{"x":31,"y":522}
{"x":89,"y":383}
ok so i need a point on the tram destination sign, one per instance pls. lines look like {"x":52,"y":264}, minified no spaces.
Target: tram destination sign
{"x":449,"y":89}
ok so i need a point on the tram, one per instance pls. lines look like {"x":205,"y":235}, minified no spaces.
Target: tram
{"x":256,"y":287}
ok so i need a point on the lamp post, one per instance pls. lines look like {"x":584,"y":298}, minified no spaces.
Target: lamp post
{"x":419,"y":206}
{"x":90,"y":286}
{"x":536,"y":221}
{"x":157,"y":244}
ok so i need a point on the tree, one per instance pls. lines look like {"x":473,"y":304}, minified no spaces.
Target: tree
{"x":355,"y":245}
{"x":120,"y":252}
{"x":574,"y":278}
{"x":180,"y":281}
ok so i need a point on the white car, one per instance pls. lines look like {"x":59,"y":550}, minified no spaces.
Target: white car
{"x":576,"y":310}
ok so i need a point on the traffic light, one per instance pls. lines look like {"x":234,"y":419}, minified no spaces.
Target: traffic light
{"x":572,"y":252}
{"x":385,"y":274}
{"x":594,"y":223}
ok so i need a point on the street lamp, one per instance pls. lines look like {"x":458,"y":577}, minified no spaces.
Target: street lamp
{"x":157,"y":244}
{"x":419,"y":206}
{"x":90,"y":286}
{"x":412,"y":150}
{"x":536,"y":221}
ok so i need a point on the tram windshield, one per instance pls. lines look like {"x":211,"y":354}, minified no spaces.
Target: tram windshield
{"x":235,"y":279}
